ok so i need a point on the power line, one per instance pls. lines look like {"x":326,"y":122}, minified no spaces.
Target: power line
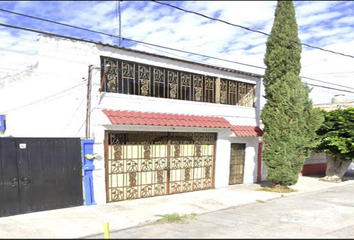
{"x":211,"y":58}
{"x":199,"y":61}
{"x":63,"y":24}
{"x":249,"y":29}
{"x":40,"y":100}
{"x":197,"y":54}
{"x":24,"y":39}
{"x":155,"y":45}
{"x":17,"y":51}
{"x":300,"y":76}
{"x":314,"y":85}
{"x":131,"y":40}
{"x":62,"y":36}
{"x":335,"y":73}
{"x":326,"y":82}
{"x":181,"y":9}
{"x":120,"y":38}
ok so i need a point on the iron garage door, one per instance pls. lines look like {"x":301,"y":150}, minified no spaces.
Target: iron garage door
{"x":39,"y":174}
{"x":147,"y":164}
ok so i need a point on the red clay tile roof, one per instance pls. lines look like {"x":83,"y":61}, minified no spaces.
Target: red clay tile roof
{"x":178,"y":120}
{"x":165,"y":119}
{"x":247,"y":131}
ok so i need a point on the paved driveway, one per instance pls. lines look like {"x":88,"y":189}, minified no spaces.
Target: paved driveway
{"x":326,"y":213}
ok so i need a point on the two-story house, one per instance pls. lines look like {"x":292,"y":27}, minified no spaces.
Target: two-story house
{"x":158,"y":125}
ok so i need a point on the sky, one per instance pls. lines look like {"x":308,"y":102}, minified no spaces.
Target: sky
{"x":230,"y":34}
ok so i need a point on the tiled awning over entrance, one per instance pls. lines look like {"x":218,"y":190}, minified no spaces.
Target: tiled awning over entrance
{"x":165,"y":119}
{"x":247,"y":131}
{"x":178,"y":120}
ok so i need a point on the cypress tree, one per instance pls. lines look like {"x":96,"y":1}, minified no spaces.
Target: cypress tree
{"x":290,"y":121}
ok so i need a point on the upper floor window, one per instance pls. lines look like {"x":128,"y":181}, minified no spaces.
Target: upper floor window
{"x":120,"y":76}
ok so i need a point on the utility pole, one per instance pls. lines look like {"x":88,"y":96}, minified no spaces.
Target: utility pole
{"x":88,"y":106}
{"x":120,"y":24}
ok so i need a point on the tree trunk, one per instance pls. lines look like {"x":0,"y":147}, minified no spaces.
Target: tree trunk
{"x":336,"y":169}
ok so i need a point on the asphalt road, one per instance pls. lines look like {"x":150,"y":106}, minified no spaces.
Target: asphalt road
{"x":323,"y":214}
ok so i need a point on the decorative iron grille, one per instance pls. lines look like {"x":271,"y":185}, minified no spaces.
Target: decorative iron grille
{"x":237,"y":163}
{"x":147,"y":164}
{"x":133,"y":78}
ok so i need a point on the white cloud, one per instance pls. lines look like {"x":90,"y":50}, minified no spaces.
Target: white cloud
{"x":325,"y":24}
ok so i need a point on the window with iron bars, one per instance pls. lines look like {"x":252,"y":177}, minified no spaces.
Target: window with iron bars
{"x":126,"y":77}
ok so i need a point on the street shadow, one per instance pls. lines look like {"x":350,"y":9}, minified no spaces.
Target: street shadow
{"x":316,"y":175}
{"x":266,"y":184}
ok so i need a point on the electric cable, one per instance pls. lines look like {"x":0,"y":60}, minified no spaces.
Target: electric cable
{"x":70,"y":52}
{"x":188,"y":11}
{"x":63,"y":24}
{"x":40,"y":100}
{"x":249,"y":29}
{"x":62,"y":36}
{"x":181,"y":9}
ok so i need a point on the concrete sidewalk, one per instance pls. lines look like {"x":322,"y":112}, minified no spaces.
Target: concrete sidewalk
{"x":86,"y":221}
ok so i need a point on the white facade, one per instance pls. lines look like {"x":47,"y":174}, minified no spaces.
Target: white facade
{"x":51,"y":100}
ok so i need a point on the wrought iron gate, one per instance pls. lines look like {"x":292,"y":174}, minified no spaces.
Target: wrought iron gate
{"x":237,"y":163}
{"x":39,"y":174}
{"x":147,"y":164}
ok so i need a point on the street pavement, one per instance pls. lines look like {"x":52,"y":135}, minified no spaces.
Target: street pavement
{"x":96,"y":220}
{"x":327,"y":213}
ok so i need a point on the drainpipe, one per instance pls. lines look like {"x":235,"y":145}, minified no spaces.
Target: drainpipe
{"x":259,"y":166}
{"x":88,"y":106}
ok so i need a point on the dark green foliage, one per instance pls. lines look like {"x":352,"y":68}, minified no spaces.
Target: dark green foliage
{"x":290,"y":121}
{"x":337,"y":133}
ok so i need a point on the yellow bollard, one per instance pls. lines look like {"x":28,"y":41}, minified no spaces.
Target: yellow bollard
{"x":106,"y":230}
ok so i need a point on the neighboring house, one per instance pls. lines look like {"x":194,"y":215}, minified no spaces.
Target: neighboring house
{"x":158,"y":125}
{"x":317,"y":162}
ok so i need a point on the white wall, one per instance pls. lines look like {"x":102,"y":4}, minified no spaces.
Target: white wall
{"x":52,"y":101}
{"x":33,"y":114}
{"x":222,"y":163}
